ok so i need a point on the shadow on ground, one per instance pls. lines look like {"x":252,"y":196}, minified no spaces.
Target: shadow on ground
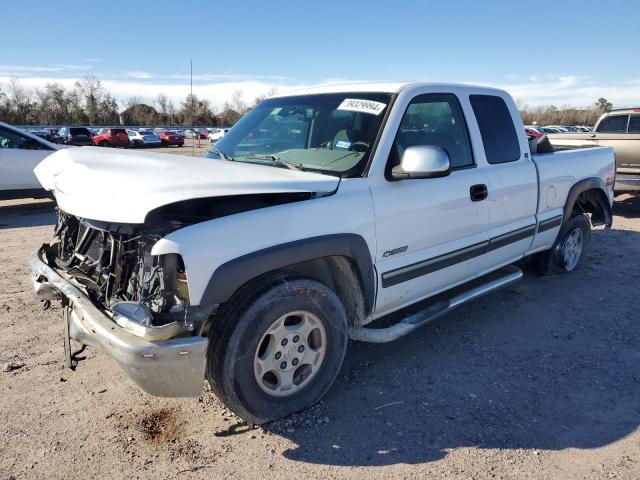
{"x":20,"y":215}
{"x":627,"y":206}
{"x":548,"y":364}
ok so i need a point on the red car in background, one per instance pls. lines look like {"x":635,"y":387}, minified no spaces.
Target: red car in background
{"x":533,"y":133}
{"x":111,"y":137}
{"x":171,"y":138}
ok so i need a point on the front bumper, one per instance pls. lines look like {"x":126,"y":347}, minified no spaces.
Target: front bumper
{"x":168,"y":368}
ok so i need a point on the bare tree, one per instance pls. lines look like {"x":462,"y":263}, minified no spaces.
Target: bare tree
{"x":263,"y":96}
{"x":237,"y":102}
{"x":92,"y":93}
{"x":21,"y":101}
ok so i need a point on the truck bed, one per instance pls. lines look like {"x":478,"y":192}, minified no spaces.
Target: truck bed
{"x":560,"y":170}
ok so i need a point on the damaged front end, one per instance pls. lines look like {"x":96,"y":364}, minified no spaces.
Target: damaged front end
{"x":112,"y":264}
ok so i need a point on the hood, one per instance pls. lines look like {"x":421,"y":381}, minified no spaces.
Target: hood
{"x":122,"y":186}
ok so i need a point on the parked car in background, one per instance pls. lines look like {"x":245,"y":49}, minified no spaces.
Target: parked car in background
{"x":111,"y":137}
{"x":218,"y":134}
{"x":20,"y":152}
{"x":143,"y":138}
{"x":620,"y":130}
{"x":170,"y":138}
{"x":39,"y":133}
{"x":196,"y":133}
{"x":393,"y":195}
{"x":533,"y":132}
{"x":51,"y":133}
{"x":78,"y":136}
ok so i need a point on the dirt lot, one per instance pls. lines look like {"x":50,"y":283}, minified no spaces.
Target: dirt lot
{"x":191,"y":147}
{"x":541,"y":380}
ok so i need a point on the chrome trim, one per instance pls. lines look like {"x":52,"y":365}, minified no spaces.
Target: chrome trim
{"x":169,"y":368}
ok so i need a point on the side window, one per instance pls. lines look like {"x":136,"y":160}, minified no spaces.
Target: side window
{"x":435,"y":119}
{"x":498,"y":133}
{"x":634,"y":124}
{"x":613,"y":124}
{"x":10,"y":139}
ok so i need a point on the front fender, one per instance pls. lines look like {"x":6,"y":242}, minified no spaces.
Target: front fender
{"x":223,"y":253}
{"x":232,"y":275}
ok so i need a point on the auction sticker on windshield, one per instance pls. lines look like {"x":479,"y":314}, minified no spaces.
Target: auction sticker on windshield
{"x":364,"y":106}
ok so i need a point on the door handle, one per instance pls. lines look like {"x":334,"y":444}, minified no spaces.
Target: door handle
{"x":478,"y":192}
{"x":593,"y":135}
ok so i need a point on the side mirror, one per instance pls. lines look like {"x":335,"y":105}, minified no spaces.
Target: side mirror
{"x":422,"y":161}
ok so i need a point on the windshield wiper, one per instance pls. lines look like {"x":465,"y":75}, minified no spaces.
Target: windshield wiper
{"x":222,"y":155}
{"x":274,"y":159}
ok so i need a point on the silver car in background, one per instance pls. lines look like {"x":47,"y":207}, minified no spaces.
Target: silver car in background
{"x":144,"y":138}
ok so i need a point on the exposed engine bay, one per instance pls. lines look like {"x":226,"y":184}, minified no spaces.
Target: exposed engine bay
{"x":114,"y":264}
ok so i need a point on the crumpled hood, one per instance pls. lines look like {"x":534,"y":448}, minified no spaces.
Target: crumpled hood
{"x":123,"y":186}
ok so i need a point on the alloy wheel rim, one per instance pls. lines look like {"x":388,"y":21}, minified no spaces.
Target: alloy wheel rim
{"x":572,"y":249}
{"x":290,"y":353}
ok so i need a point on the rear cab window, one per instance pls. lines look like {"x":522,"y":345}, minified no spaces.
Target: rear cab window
{"x":634,"y":124}
{"x":497,"y":130}
{"x":613,"y":124}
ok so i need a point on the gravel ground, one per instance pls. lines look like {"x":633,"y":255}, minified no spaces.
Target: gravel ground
{"x":540,"y":380}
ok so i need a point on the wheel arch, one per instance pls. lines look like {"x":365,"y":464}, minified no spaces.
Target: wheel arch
{"x":589,"y":196}
{"x":341,"y":261}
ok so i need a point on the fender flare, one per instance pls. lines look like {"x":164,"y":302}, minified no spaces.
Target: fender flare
{"x":582,"y":186}
{"x":230,"y":276}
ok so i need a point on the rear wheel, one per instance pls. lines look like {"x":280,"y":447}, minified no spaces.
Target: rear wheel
{"x":279,"y":351}
{"x":103,"y":143}
{"x":568,"y":250}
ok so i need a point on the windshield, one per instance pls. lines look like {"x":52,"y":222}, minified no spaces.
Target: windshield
{"x":328,"y":133}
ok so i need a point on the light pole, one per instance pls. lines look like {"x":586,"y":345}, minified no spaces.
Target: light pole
{"x":193,"y":140}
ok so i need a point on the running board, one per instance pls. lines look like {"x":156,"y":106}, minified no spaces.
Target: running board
{"x":407,"y":325}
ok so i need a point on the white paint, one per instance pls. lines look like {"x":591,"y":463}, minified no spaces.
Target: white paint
{"x":123,"y":185}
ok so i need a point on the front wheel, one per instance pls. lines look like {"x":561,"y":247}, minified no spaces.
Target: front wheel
{"x":278,"y":352}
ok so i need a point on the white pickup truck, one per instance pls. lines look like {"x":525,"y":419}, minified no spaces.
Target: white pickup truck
{"x":318,"y":214}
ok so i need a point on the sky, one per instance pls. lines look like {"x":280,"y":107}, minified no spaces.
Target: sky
{"x":556,"y":52}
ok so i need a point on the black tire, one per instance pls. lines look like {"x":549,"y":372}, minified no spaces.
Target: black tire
{"x":234,"y":338}
{"x":137,"y":144}
{"x":103,"y":143}
{"x":553,"y":260}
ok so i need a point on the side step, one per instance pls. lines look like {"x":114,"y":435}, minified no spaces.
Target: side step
{"x":508,"y":275}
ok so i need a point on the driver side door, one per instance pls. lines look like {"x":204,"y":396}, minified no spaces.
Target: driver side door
{"x":431,"y":233}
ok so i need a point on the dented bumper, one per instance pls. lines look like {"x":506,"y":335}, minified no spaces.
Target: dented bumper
{"x":168,"y":368}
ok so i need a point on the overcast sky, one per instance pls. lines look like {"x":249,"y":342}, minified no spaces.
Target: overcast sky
{"x":569,"y":52}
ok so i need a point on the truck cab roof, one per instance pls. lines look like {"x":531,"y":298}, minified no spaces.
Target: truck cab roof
{"x":392,"y":87}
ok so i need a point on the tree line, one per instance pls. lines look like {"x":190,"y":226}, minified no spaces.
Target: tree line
{"x":89,"y":103}
{"x":565,"y":115}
